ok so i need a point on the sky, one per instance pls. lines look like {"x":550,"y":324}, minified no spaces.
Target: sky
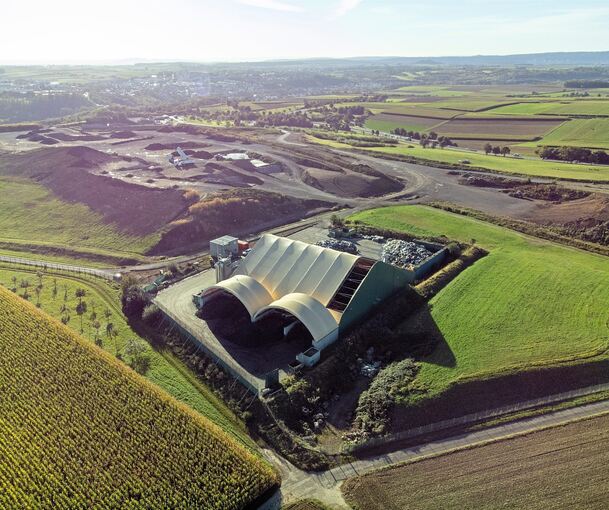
{"x":122,"y":31}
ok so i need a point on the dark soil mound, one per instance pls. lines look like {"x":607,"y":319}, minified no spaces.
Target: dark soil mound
{"x":236,"y":211}
{"x":356,"y":182}
{"x":123,"y":134}
{"x":172,"y":146}
{"x":85,"y":137}
{"x":135,"y":209}
{"x":200,"y":154}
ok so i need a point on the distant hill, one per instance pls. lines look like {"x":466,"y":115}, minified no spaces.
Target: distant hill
{"x":577,"y":58}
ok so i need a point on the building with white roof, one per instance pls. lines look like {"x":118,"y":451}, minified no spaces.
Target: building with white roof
{"x":326,"y":290}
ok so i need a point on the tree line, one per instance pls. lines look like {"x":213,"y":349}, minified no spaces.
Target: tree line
{"x":574,"y":154}
{"x":587,"y":84}
{"x":425,"y":139}
{"x":496,"y":150}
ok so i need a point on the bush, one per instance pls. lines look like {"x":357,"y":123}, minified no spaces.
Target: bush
{"x":151,"y":315}
{"x":390,"y":385}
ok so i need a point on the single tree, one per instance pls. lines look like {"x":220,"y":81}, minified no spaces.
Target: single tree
{"x":488,"y":148}
{"x":81,"y":309}
{"x":505,"y":150}
{"x":25,"y":285}
{"x":96,"y":325}
{"x":80,"y":293}
{"x":110,"y":331}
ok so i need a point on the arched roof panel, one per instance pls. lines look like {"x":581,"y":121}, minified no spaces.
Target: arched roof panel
{"x":246,"y":289}
{"x":315,"y":316}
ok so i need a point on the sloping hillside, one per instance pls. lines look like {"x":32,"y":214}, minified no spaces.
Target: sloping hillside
{"x":79,"y":429}
{"x":134,"y":209}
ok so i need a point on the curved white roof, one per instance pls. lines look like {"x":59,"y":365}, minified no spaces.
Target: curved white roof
{"x":247,"y":290}
{"x":284,"y":266}
{"x":315,"y":316}
{"x":293,"y":276}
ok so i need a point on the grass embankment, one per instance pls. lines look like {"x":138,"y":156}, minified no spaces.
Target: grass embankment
{"x":530,"y":167}
{"x":590,"y":133}
{"x":563,"y":467}
{"x":529,"y":303}
{"x":80,"y":430}
{"x":164,"y":369}
{"x":32,"y":218}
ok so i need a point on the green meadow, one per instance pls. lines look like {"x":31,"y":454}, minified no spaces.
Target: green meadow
{"x":593,"y":133}
{"x":532,"y":167}
{"x":529,"y":303}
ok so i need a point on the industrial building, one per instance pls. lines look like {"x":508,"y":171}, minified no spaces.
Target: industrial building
{"x":326,"y":290}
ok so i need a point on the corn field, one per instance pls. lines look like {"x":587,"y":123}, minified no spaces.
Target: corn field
{"x":80,"y":430}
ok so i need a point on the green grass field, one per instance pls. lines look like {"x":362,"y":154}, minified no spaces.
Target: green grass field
{"x":558,"y":107}
{"x":388,"y":123}
{"x":528,"y":303}
{"x":592,"y":133}
{"x":102,"y":298}
{"x":532,"y":167}
{"x":30,"y":214}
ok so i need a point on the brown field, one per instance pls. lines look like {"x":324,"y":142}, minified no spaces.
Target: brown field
{"x":518,"y":129}
{"x":408,"y":119}
{"x":418,"y":111}
{"x":563,"y":467}
{"x":306,"y":504}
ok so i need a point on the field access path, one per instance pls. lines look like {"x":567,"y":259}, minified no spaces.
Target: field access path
{"x":325,"y":485}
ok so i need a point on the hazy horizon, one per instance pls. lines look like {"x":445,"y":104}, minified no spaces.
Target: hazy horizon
{"x":123,"y":32}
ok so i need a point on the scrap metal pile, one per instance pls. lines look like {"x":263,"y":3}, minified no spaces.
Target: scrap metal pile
{"x":339,"y":245}
{"x":404,"y":253}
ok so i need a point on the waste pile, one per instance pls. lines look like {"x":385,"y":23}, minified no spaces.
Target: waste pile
{"x":339,"y":245}
{"x":375,"y":238}
{"x":404,"y":253}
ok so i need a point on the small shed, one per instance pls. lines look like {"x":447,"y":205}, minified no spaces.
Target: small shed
{"x":310,"y":357}
{"x":225,"y":246}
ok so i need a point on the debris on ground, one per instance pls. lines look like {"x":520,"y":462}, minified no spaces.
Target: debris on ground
{"x":339,"y":245}
{"x":375,"y":238}
{"x":404,"y":253}
{"x":369,"y":368}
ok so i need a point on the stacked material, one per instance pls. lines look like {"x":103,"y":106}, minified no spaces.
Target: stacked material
{"x":404,"y":253}
{"x":338,"y":245}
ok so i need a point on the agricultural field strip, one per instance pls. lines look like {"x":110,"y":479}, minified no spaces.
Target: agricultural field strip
{"x":305,"y":484}
{"x":527,"y":167}
{"x":166,"y":371}
{"x":533,"y":440}
{"x":55,"y":266}
{"x":143,"y":446}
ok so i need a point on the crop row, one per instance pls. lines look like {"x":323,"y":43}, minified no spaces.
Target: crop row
{"x":79,"y":430}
